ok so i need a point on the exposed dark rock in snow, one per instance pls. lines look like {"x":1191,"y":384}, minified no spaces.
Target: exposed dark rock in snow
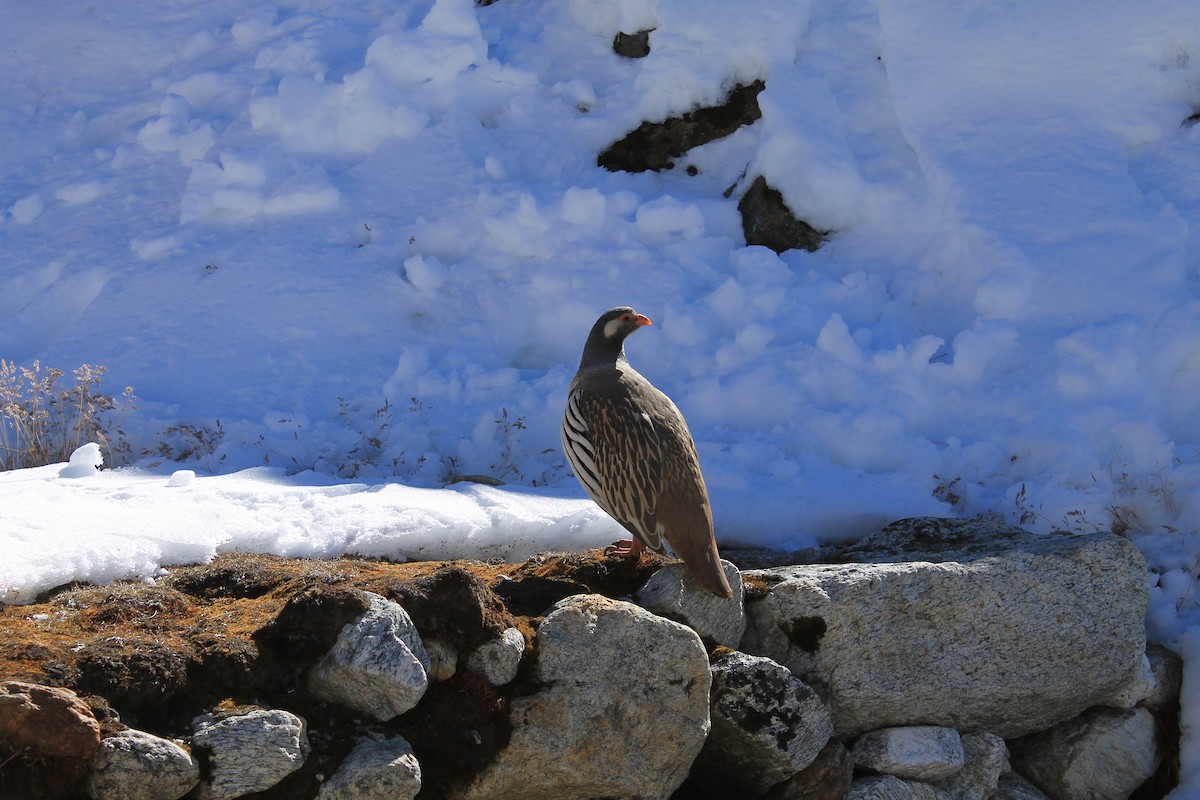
{"x":653,"y":145}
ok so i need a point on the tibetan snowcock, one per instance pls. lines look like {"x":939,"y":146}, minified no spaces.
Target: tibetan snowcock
{"x":631,"y":449}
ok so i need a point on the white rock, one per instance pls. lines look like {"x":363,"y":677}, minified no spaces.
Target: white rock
{"x":919,"y":752}
{"x":378,"y":665}
{"x":962,"y":623}
{"x":498,"y":659}
{"x":134,"y":765}
{"x":673,"y":593}
{"x":1103,"y":754}
{"x":375,"y":770}
{"x":766,"y":726}
{"x":622,"y":712}
{"x":249,"y":752}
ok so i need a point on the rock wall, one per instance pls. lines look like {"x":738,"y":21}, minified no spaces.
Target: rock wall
{"x":979,"y":629}
{"x":942,"y":659}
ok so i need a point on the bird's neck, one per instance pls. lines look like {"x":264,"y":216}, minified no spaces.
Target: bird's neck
{"x":602,"y":352}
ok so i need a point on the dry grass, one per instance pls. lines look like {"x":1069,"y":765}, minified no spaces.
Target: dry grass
{"x":237,"y":594}
{"x":43,"y":420}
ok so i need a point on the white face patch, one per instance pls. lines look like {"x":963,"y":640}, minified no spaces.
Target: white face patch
{"x":610,"y":328}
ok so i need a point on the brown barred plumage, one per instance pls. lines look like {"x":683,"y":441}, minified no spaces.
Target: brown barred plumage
{"x":630,"y":448}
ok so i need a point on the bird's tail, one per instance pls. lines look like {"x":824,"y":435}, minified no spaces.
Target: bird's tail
{"x":708,"y":570}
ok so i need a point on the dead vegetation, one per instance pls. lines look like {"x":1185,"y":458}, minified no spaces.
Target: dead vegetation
{"x":242,"y":631}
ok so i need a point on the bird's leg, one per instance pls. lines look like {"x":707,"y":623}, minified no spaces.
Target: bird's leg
{"x":626,"y":548}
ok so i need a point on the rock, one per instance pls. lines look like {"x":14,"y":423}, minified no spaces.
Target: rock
{"x":622,"y":710}
{"x":378,"y":665}
{"x":134,"y":765}
{"x":1013,"y":787}
{"x":443,"y":659}
{"x":672,"y":592}
{"x":827,"y":778}
{"x":304,"y":630}
{"x":1103,"y":754}
{"x":46,"y":721}
{"x":633,"y":45}
{"x":889,"y":787}
{"x":1139,"y":687}
{"x":248,"y":752}
{"x":919,"y":752}
{"x":498,"y":659}
{"x":767,"y":221}
{"x":375,"y":770}
{"x":766,"y":726}
{"x":48,"y":736}
{"x":653,"y":145}
{"x":1168,"y":676}
{"x":983,"y":627}
{"x":985,"y":759}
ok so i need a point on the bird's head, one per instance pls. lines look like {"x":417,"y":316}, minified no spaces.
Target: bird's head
{"x":617,"y":323}
{"x":606,"y":342}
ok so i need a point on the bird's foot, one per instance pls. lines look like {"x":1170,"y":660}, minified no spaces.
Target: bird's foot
{"x":626,"y":548}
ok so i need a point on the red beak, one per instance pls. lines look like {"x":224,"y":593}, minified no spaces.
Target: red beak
{"x":642,"y":320}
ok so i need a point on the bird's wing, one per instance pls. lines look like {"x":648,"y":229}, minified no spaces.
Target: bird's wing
{"x":615,"y":453}
{"x":684,"y":511}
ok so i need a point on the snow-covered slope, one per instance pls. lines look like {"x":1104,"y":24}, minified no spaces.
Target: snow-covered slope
{"x":369,"y":239}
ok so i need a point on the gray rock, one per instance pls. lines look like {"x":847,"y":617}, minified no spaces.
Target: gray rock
{"x":766,"y":726}
{"x":827,"y":778}
{"x":622,"y":712}
{"x":443,"y":659}
{"x":378,"y":665}
{"x":1168,"y":676}
{"x":673,"y":593}
{"x":988,"y":628}
{"x":767,"y":220}
{"x":1013,"y":787}
{"x":1103,"y":754}
{"x":633,"y":45}
{"x":498,"y":659}
{"x":655,"y":145}
{"x":919,"y":752}
{"x":889,"y":787}
{"x":249,"y":752}
{"x":375,"y":770}
{"x":134,"y":765}
{"x":1138,"y":689}
{"x":985,"y":759}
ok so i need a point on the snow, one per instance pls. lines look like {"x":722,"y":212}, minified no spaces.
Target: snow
{"x":357,"y":246}
{"x":85,"y":462}
{"x":137,"y":520}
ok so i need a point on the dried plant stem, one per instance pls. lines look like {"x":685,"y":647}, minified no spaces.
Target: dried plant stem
{"x":43,"y":422}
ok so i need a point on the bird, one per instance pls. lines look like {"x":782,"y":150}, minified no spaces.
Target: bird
{"x":630,"y":447}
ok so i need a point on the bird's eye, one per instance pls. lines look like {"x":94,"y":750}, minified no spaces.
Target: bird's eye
{"x":626,"y":317}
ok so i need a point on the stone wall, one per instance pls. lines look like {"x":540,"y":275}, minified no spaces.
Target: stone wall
{"x":938,"y":659}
